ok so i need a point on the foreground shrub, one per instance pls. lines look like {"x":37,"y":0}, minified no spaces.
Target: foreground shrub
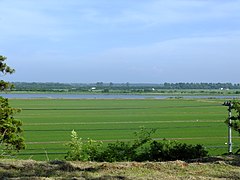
{"x":143,"y":148}
{"x":82,"y":151}
{"x":172,"y":150}
{"x":118,"y":151}
{"x":127,"y":151}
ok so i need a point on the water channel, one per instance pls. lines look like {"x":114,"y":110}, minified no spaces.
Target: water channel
{"x":106,"y":96}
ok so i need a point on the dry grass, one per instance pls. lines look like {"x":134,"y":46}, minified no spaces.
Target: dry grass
{"x":210,"y":168}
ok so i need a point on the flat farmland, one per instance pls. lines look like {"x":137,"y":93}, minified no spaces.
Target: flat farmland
{"x":48,"y":123}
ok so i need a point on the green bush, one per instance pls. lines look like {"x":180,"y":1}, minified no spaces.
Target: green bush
{"x":127,"y":151}
{"x":143,"y":148}
{"x":172,"y":150}
{"x":118,"y":151}
{"x":82,"y":151}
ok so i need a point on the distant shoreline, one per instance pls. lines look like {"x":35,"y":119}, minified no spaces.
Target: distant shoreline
{"x":58,"y":95}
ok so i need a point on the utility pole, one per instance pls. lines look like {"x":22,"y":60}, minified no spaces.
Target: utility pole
{"x":229,"y":104}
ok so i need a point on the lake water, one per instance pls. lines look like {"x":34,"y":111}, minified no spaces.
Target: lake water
{"x":102,"y":96}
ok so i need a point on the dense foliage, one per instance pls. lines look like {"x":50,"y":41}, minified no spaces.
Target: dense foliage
{"x":143,"y":148}
{"x":172,"y":150}
{"x":235,"y":108}
{"x":5,"y":69}
{"x":10,"y":128}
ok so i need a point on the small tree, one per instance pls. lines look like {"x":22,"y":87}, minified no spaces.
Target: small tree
{"x":235,"y":108}
{"x":10,"y":128}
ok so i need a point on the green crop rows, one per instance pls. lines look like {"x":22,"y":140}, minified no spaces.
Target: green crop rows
{"x":48,"y":122}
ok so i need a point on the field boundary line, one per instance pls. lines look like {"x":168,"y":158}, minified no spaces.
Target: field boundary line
{"x":119,"y":108}
{"x":125,"y":122}
{"x":157,"y":139}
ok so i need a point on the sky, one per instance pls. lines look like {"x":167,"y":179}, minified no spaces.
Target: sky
{"x":135,"y":41}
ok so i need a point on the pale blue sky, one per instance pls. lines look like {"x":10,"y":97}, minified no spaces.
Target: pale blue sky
{"x":150,"y":41}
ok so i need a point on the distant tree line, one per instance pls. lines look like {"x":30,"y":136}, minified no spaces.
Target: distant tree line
{"x":128,"y":87}
{"x":201,"y":86}
{"x":36,"y":86}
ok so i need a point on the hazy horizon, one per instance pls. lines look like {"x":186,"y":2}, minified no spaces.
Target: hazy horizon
{"x":119,"y":82}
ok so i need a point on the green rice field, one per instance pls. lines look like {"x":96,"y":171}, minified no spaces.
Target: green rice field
{"x":48,"y":123}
